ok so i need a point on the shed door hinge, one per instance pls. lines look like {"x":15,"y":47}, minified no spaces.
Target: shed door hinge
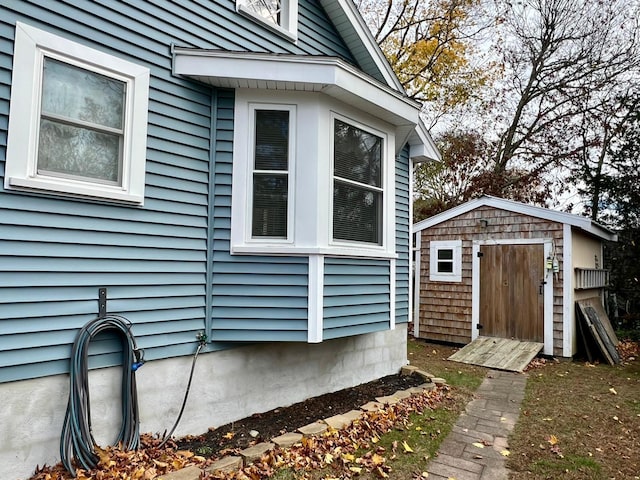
{"x":479,"y":327}
{"x":480,"y":254}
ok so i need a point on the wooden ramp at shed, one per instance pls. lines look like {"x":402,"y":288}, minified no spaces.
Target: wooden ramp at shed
{"x":498,"y":353}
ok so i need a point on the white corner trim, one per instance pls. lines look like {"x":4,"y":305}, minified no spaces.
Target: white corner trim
{"x":548,"y":302}
{"x":316,"y":299}
{"x":568,"y":312}
{"x":475,"y":289}
{"x":416,"y":250}
{"x":392,"y":294}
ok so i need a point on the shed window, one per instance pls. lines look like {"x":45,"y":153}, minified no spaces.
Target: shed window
{"x":78,"y":120}
{"x":445,"y":261}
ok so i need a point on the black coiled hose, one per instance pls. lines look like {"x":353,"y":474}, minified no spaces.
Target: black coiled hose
{"x":77,"y":439}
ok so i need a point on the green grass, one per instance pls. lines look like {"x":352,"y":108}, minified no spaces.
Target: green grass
{"x":586,"y":467}
{"x":593,"y":411}
{"x":424,"y":432}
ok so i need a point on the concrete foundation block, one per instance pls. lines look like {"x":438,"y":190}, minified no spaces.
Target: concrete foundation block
{"x":314,"y":429}
{"x":426,"y":375}
{"x":189,"y":473}
{"x":256,"y":452}
{"x":402,"y":394}
{"x":408,"y":370}
{"x":388,"y":400}
{"x":372,"y":406}
{"x":287,"y":439}
{"x":337,"y":422}
{"x":225,"y":464}
{"x":353,"y":415}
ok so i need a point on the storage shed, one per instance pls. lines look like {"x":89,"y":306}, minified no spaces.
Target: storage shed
{"x":499,"y":268}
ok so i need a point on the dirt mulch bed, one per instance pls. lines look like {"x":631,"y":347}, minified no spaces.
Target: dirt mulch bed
{"x":242,"y":433}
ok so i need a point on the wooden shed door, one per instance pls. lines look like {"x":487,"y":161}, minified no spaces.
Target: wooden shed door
{"x":512,"y":291}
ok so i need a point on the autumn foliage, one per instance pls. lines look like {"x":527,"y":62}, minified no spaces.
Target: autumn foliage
{"x":343,"y":453}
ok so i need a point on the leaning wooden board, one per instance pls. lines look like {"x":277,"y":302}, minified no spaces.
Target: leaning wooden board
{"x":598,"y":325}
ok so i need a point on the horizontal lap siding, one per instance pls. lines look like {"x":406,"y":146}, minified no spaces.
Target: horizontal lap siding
{"x":402,"y":237}
{"x":445,"y":307}
{"x":55,"y":253}
{"x":356,"y":296}
{"x":254,"y":298}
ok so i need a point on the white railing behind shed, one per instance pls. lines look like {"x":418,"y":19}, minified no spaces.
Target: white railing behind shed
{"x":591,"y":278}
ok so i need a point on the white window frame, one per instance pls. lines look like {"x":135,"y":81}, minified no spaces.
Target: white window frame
{"x":31,"y":47}
{"x":311,"y":177}
{"x":383,"y":188}
{"x":456,"y":247}
{"x":253,"y":107}
{"x":288,"y":26}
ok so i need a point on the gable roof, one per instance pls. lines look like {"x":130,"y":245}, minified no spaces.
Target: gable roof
{"x":578,"y":221}
{"x":363,"y":46}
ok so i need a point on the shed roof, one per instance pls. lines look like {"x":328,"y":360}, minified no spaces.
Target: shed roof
{"x":578,"y":221}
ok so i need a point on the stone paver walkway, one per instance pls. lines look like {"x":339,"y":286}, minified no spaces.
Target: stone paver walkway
{"x":474,"y":449}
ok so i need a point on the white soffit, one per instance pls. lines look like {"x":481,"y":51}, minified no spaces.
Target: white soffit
{"x":329,"y":75}
{"x":421,"y":146}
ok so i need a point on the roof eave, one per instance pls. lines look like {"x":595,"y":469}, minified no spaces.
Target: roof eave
{"x":583,"y":223}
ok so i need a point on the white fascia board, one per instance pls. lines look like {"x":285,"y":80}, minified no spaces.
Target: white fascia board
{"x":354,"y":26}
{"x":422,"y":148}
{"x":578,"y":221}
{"x":328,"y":75}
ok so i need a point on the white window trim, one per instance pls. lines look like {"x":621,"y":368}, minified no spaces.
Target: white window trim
{"x":385,"y":185}
{"x":289,"y":19}
{"x":250,"y":145}
{"x":311,"y":194}
{"x":456,"y":246}
{"x":31,"y":46}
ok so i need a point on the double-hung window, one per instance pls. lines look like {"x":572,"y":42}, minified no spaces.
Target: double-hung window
{"x":358,"y":193}
{"x":279,"y":15}
{"x":270,"y":178}
{"x":310,"y":176}
{"x":78,"y":120}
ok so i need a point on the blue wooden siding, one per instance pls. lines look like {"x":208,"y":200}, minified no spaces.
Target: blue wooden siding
{"x":254,"y":298}
{"x":356,"y":296}
{"x":55,"y":253}
{"x":166,"y":265}
{"x":402,"y":236}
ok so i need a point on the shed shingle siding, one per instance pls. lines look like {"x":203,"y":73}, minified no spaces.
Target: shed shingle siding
{"x":445,"y":307}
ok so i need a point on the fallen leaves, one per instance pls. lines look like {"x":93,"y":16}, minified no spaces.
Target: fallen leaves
{"x":147,"y":463}
{"x":407,"y":448}
{"x":340,"y":452}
